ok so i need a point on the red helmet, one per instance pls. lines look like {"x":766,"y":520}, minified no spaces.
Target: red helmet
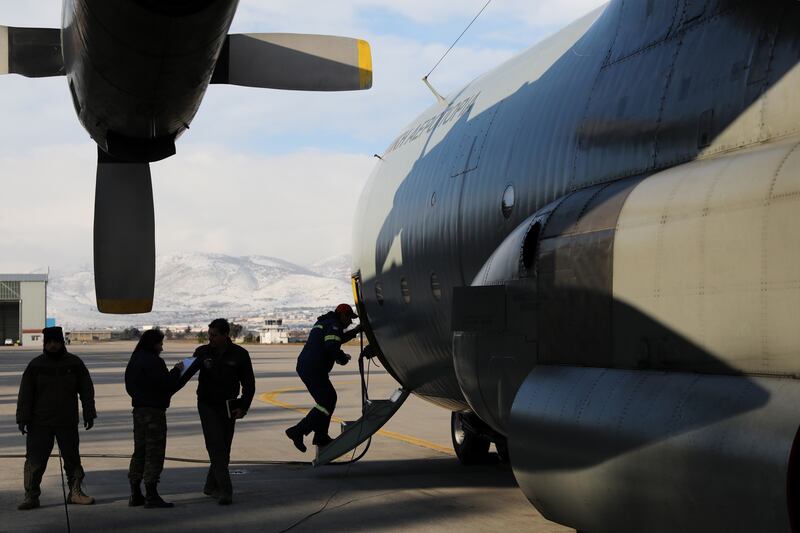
{"x":346,"y":310}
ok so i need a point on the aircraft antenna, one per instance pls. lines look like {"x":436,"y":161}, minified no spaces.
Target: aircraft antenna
{"x":438,"y":96}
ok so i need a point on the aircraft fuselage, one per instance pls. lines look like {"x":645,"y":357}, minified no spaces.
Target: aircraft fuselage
{"x":593,"y":250}
{"x":597,"y":104}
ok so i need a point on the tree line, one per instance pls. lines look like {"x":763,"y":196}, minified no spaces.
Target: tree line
{"x":132,"y":334}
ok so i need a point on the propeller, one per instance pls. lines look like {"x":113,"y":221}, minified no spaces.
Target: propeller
{"x":124,"y":218}
{"x":124,"y":236}
{"x":31,"y":52}
{"x":294,"y":61}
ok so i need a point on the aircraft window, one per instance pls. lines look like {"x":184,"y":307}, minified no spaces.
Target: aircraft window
{"x":379,"y":293}
{"x":405,"y":290}
{"x":529,"y":247}
{"x":436,"y":288}
{"x":508,"y":201}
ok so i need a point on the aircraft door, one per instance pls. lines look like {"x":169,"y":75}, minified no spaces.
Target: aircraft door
{"x":364,"y":320}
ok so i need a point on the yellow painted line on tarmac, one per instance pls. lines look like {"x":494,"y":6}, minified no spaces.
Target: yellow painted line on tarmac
{"x":272,"y":398}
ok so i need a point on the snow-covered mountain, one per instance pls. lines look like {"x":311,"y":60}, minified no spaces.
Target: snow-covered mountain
{"x":195,"y":287}
{"x":336,"y":267}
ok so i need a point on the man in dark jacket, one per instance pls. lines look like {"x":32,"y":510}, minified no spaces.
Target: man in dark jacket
{"x":47,"y":409}
{"x":150,"y":387}
{"x":223,"y":367}
{"x":322,"y":349}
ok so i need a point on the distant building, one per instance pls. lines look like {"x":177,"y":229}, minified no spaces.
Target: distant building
{"x":89,"y":336}
{"x":23,"y":308}
{"x":297,"y":336}
{"x":274,"y":332}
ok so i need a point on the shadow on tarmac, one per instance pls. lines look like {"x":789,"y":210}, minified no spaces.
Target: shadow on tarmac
{"x":369,"y":496}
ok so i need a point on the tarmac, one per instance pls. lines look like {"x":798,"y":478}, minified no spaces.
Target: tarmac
{"x":408,"y":480}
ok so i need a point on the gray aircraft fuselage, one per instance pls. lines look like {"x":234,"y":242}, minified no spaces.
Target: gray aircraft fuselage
{"x":616,"y":206}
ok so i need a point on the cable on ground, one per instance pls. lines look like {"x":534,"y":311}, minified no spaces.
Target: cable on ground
{"x":353,"y":459}
{"x":63,"y":490}
{"x":243,"y":462}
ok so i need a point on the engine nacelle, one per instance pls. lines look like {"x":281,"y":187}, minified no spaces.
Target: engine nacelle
{"x":543,"y":295}
{"x":605,"y":450}
{"x":693,"y":269}
{"x":652,"y":325}
{"x":138,"y":70}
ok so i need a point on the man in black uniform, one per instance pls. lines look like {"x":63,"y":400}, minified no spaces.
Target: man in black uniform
{"x":322,"y":349}
{"x":47,"y":409}
{"x":223,"y":367}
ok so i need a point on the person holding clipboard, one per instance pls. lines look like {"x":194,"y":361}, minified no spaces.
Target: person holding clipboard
{"x":150,"y":387}
{"x":224,"y":368}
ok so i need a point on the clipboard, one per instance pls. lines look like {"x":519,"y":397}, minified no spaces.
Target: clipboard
{"x":234,"y":403}
{"x":187,"y":364}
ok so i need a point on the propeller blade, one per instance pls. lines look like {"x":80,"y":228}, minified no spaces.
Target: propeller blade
{"x":31,"y":52}
{"x":295,"y":61}
{"x":124,"y":236}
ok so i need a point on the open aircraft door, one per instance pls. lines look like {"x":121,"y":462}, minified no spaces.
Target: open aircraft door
{"x":374,"y":413}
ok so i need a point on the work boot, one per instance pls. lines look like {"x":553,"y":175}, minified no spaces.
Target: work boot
{"x":210,"y":488}
{"x":77,"y":496}
{"x":152,"y":500}
{"x":322,"y":440}
{"x":225,"y":499}
{"x":295,"y":434}
{"x":28,"y":503}
{"x":137,"y":498}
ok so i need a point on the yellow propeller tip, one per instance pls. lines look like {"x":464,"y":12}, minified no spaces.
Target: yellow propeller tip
{"x":124,"y":306}
{"x":364,"y":64}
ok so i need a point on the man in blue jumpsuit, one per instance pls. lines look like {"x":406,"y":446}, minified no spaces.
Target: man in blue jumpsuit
{"x":323,"y":348}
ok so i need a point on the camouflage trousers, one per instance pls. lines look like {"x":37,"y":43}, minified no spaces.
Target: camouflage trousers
{"x":149,"y":444}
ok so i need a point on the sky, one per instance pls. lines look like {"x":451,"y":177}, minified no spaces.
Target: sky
{"x":260,"y":172}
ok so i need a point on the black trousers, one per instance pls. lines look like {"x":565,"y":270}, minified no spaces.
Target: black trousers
{"x":218,"y":434}
{"x":149,"y":444}
{"x":318,"y":419}
{"x":39,"y":445}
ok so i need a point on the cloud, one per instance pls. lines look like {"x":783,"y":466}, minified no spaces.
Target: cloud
{"x":48,"y":195}
{"x":288,"y":15}
{"x":297,"y":206}
{"x":367,"y":120}
{"x":545,"y":14}
{"x":31,"y":13}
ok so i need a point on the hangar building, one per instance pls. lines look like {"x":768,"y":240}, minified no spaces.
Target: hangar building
{"x":23,"y":307}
